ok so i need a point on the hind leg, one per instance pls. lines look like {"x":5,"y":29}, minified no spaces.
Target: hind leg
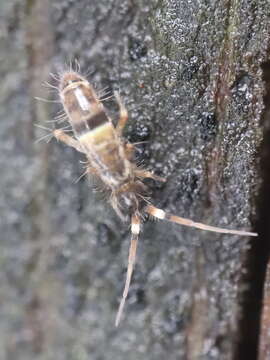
{"x":68,"y":140}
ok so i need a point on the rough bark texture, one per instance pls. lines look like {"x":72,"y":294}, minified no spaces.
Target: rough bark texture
{"x":190,"y":75}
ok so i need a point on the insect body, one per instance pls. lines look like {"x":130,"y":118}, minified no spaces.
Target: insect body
{"x":110,"y":159}
{"x":107,"y":155}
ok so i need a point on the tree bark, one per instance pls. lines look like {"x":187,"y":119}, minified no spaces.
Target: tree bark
{"x":190,"y":75}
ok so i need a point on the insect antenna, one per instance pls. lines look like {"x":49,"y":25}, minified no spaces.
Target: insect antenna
{"x":161,"y":214}
{"x":135,"y":230}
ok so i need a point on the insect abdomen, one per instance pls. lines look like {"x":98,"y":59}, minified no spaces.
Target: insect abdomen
{"x":94,"y":130}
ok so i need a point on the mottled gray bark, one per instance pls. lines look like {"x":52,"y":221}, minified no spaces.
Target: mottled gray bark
{"x":190,"y":76}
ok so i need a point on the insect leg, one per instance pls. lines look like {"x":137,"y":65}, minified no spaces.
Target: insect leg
{"x":161,"y":214}
{"x":135,"y":230}
{"x":91,"y":170}
{"x":129,"y":150}
{"x":147,"y":174}
{"x":68,"y":140}
{"x":123,"y":115}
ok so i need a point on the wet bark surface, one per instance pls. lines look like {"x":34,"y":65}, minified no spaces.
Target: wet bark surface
{"x":190,"y":75}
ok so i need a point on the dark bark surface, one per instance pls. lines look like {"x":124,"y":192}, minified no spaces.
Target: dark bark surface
{"x":190,"y":75}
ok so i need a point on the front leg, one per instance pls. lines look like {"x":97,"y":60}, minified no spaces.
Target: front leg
{"x":123,"y":115}
{"x":67,"y":139}
{"x":148,"y":174}
{"x":129,"y":151}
